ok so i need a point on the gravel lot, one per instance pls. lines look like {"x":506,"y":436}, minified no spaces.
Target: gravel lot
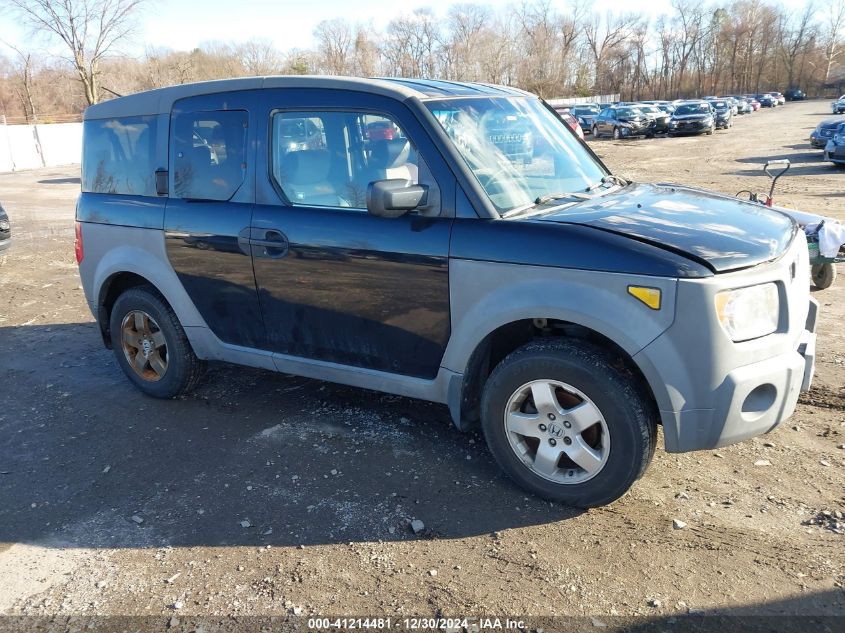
{"x":267,"y":494}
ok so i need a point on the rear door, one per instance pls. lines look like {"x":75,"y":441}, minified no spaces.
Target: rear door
{"x":335,"y":283}
{"x":209,"y":210}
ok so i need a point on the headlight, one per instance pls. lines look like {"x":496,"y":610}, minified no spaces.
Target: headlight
{"x":747,"y":313}
{"x":838,"y":139}
{"x":673,"y":124}
{"x":4,"y":225}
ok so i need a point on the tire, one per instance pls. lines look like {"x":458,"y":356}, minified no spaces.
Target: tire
{"x":595,"y":132}
{"x":616,"y":134}
{"x":621,"y":442}
{"x":823,"y":275}
{"x":710,"y":131}
{"x":142,"y":321}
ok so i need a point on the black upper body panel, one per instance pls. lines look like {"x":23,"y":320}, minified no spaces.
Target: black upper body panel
{"x":714,"y":231}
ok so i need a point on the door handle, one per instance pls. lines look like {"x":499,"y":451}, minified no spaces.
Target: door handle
{"x":269,"y":243}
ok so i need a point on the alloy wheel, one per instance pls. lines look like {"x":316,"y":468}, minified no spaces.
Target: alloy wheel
{"x":144,"y":345}
{"x":557,"y":431}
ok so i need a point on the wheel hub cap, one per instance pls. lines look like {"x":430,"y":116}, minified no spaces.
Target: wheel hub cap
{"x":144,"y":345}
{"x":557,"y":431}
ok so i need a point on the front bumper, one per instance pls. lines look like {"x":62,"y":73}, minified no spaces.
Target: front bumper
{"x":711,"y":391}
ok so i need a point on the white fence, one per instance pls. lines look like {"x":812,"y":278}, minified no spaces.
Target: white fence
{"x":47,"y":145}
{"x":573,"y":101}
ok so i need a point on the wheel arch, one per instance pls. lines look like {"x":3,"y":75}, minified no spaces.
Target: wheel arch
{"x":129,"y":266}
{"x":497,"y":344}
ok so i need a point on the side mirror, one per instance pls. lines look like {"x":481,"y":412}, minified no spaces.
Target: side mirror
{"x":393,"y":198}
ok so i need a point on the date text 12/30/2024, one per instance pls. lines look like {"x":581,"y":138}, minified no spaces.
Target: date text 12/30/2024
{"x":416,"y":624}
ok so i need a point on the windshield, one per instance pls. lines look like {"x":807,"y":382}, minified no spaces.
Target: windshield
{"x":651,"y":109}
{"x":628,"y":113}
{"x":692,"y":108}
{"x":517,"y":149}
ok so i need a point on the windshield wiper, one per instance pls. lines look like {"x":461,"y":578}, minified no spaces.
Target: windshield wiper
{"x":560,"y":196}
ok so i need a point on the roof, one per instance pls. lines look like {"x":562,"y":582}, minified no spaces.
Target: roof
{"x":160,"y":100}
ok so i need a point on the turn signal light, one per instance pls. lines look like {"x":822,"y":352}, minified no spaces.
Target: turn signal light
{"x":649,"y":296}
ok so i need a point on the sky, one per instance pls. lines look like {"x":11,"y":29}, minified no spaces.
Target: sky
{"x":184,"y":24}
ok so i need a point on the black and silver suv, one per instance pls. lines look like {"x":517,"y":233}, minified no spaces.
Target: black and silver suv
{"x":401,"y":243}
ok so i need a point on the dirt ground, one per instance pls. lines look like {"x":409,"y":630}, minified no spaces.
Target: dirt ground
{"x":265,"y":494}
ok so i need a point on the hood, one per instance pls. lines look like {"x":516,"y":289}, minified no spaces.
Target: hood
{"x":633,"y":120}
{"x":717,"y":231}
{"x":832,"y":122}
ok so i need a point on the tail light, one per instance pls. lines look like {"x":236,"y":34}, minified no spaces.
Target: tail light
{"x":80,"y":250}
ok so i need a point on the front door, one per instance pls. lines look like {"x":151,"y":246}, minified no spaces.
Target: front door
{"x":335,"y":283}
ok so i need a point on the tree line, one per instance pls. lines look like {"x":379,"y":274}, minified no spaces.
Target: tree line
{"x":552,"y":49}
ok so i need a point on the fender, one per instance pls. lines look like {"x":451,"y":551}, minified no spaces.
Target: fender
{"x":111,"y":249}
{"x":485,"y":296}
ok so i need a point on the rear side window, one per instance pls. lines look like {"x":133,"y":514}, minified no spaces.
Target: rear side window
{"x":119,"y":156}
{"x":209,"y":154}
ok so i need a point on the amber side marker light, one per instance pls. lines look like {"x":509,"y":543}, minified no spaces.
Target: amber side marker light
{"x":649,"y":296}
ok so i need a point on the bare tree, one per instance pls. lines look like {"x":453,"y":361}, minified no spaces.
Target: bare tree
{"x":834,"y":20}
{"x":259,"y":57}
{"x":89,"y":30}
{"x":23,"y":82}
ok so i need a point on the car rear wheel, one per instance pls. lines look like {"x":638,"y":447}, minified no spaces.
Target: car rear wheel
{"x":595,"y":132}
{"x":823,"y":275}
{"x":150,"y":344}
{"x":616,"y":134}
{"x":567,"y":422}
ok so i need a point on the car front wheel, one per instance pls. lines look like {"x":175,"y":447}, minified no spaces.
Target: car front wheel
{"x":567,"y":422}
{"x":150,"y":344}
{"x":616,"y":134}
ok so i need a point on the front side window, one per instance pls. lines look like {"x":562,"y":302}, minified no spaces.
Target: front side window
{"x":119,"y":156}
{"x":328,"y":159}
{"x":209,"y":154}
{"x":519,"y":151}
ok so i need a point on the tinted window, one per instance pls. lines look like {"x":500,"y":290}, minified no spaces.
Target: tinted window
{"x":209,"y":154}
{"x":328,"y":158}
{"x":119,"y":156}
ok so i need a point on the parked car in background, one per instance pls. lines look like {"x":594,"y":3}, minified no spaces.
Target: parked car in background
{"x":780,"y":98}
{"x":298,"y":134}
{"x":586,"y":114}
{"x":659,"y":118}
{"x":667,"y":106}
{"x":753,"y":102}
{"x":794,"y":94}
{"x":834,"y":150}
{"x":766,"y":100}
{"x":732,"y":103}
{"x":380,"y":131}
{"x":571,"y":121}
{"x":838,"y":106}
{"x":692,"y":117}
{"x":621,"y":122}
{"x":745,"y":106}
{"x":5,"y":230}
{"x":722,"y":113}
{"x":824,"y":131}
